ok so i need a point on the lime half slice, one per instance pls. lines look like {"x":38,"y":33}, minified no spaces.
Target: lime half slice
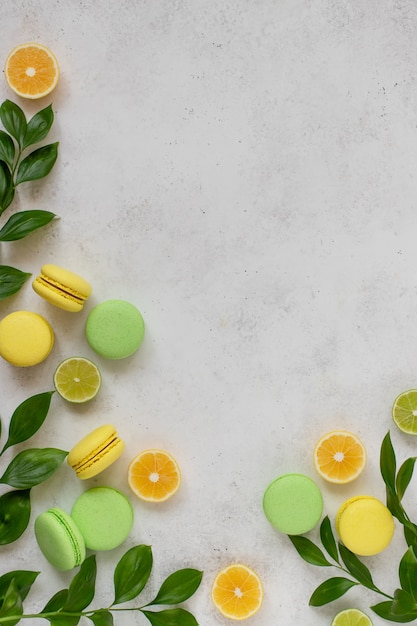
{"x":404,"y":412}
{"x":351,"y":617}
{"x":77,"y":379}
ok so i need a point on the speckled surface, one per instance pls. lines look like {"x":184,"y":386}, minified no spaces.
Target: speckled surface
{"x":244,"y":173}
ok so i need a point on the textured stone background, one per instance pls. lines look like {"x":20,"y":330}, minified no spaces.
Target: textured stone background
{"x":245,"y":173}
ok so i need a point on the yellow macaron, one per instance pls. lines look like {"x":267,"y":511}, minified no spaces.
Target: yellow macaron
{"x":365,"y":525}
{"x":95,"y":452}
{"x":62,"y":288}
{"x":26,"y":338}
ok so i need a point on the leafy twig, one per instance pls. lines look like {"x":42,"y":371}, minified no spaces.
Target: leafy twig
{"x":342,"y":558}
{"x":132,"y":572}
{"x":28,"y":468}
{"x":18,"y":166}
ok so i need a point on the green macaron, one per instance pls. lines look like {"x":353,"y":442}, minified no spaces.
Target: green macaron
{"x":59,"y":539}
{"x":104,"y":517}
{"x":115,"y":329}
{"x":293,"y":504}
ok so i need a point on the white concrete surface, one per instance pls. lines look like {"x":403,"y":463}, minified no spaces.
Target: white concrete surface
{"x":245,"y":173}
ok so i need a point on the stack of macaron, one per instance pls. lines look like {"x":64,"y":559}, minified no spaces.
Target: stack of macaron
{"x":114,"y":329}
{"x":293,"y":504}
{"x":101,"y":517}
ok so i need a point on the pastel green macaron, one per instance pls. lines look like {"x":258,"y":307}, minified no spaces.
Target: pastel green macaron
{"x":104,"y":517}
{"x":59,"y":539}
{"x":293,"y":504}
{"x":115,"y":329}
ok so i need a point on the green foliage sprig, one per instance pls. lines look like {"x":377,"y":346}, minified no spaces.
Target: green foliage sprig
{"x":18,"y":165}
{"x":399,"y":607}
{"x":28,"y":468}
{"x":132,"y":572}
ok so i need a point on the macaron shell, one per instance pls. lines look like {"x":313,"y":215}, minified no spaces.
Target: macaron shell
{"x":95,"y":452}
{"x":59,"y":539}
{"x":365,"y":525}
{"x":104,"y":516}
{"x":115,"y":329}
{"x":293,"y":504}
{"x":26,"y":338}
{"x":62,"y":288}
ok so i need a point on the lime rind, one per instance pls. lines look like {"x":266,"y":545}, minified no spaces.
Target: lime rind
{"x":351,"y":617}
{"x":77,"y":380}
{"x":404,"y":412}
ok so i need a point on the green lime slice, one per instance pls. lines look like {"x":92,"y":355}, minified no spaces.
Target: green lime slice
{"x":351,"y":617}
{"x":77,"y":379}
{"x":404,"y":412}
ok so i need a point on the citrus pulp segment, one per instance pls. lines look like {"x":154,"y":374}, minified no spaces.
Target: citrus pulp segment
{"x":31,"y":70}
{"x":404,"y":411}
{"x":154,"y":475}
{"x":339,"y":456}
{"x":351,"y":617}
{"x":77,"y":379}
{"x":237,"y":592}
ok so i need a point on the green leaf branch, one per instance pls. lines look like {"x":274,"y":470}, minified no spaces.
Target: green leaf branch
{"x":28,"y":468}
{"x":401,"y":606}
{"x":19,"y":164}
{"x":131,"y":574}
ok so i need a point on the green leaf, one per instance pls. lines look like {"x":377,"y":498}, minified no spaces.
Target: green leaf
{"x":408,"y":573}
{"x":309,"y":551}
{"x":403,"y":603}
{"x":132,"y":573}
{"x":32,"y":467}
{"x":356,"y":567}
{"x":387,"y":462}
{"x":394,"y":505}
{"x":171,"y":617}
{"x":82,"y":587}
{"x":7,"y":149}
{"x":56,"y":602}
{"x":12,"y":604}
{"x":101,"y":618}
{"x":330,"y":590}
{"x":178,"y":587}
{"x":37,"y":164}
{"x":14,"y":515}
{"x":410,"y":535}
{"x":13,"y":120}
{"x":38,"y":126}
{"x":11,"y":280}
{"x":23,"y":223}
{"x":385,"y":610}
{"x":6,"y":187}
{"x":327,"y":539}
{"x":28,"y":418}
{"x":404,"y":476}
{"x":23,"y":579}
